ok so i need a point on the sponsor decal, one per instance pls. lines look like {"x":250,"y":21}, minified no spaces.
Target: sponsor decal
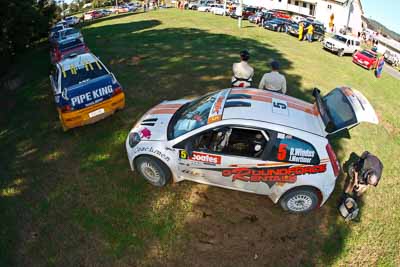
{"x":271,"y":176}
{"x":200,"y":157}
{"x":218,"y":107}
{"x":151,"y":150}
{"x":89,"y":96}
{"x":145,"y":133}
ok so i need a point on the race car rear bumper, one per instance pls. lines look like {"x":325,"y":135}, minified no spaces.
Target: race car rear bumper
{"x":81,"y":117}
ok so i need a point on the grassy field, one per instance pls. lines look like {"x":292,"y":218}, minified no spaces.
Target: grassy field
{"x":69,"y":199}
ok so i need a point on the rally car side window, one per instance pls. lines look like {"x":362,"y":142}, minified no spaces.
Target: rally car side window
{"x":230,"y":141}
{"x":287,"y":148}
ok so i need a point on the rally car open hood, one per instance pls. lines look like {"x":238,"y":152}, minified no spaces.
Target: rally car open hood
{"x":343,"y":108}
{"x":153,"y":125}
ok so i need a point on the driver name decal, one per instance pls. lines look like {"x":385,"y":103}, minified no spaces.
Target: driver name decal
{"x":301,"y":155}
{"x":201,"y":157}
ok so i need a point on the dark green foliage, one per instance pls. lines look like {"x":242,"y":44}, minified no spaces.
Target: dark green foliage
{"x":22,"y":23}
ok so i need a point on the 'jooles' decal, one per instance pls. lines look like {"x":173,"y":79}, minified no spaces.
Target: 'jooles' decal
{"x":201,"y":157}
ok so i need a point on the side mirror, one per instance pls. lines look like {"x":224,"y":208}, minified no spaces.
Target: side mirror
{"x":316,"y":92}
{"x":189,"y":148}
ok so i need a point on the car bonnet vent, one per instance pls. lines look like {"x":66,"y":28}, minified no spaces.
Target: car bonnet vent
{"x":239,"y":96}
{"x":149,"y":122}
{"x":232,"y":104}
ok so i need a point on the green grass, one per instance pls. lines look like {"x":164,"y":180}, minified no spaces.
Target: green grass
{"x":69,"y":199}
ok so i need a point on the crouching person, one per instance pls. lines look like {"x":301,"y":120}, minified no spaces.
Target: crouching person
{"x":242,"y":71}
{"x":365,"y":172}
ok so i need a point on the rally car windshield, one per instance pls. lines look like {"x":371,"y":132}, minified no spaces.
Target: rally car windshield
{"x":192,"y":115}
{"x":339,"y":109}
{"x":83,"y":74}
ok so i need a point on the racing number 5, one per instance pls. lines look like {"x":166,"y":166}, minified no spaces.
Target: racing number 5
{"x":282,"y":152}
{"x":279,"y":105}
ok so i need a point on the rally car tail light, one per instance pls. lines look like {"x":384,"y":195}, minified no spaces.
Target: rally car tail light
{"x":333,"y":159}
{"x":66,"y":108}
{"x":117,"y":91}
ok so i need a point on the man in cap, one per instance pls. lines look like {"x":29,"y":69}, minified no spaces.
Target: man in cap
{"x":273,"y":81}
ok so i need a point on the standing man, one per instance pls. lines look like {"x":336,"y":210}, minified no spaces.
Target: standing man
{"x":242,"y":71}
{"x":379,"y":67}
{"x":301,"y":30}
{"x":273,"y":81}
{"x":310,"y":32}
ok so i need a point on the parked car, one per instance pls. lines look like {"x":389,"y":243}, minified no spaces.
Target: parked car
{"x":247,"y":12}
{"x":391,"y":58}
{"x":121,"y":9}
{"x":220,"y":10}
{"x":280,"y":14}
{"x":84,"y":91}
{"x":206,"y":8}
{"x":105,"y":12}
{"x":365,"y":58}
{"x":277,"y":24}
{"x":215,"y":6}
{"x":62,"y":23}
{"x":71,"y":21}
{"x":249,"y":140}
{"x":256,"y":18}
{"x":342,"y":44}
{"x":67,"y":34}
{"x":297,"y":18}
{"x":197,"y":4}
{"x":319,"y":30}
{"x":94,"y":14}
{"x":54,"y":30}
{"x":65,"y":49}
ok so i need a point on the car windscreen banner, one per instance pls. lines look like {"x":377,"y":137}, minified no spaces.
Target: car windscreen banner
{"x":218,"y":107}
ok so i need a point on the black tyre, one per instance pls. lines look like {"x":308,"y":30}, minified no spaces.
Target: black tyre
{"x":340,"y":53}
{"x":300,"y":200}
{"x":153,"y":170}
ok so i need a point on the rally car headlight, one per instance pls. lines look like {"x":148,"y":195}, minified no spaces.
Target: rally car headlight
{"x":134,"y":139}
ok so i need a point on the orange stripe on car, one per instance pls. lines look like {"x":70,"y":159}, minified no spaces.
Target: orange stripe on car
{"x":272,"y":95}
{"x":162,"y":111}
{"x":176,"y":106}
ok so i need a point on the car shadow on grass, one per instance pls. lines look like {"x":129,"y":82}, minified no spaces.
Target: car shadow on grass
{"x":87,"y":208}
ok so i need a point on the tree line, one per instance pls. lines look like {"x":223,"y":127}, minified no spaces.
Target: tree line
{"x":24,"y":22}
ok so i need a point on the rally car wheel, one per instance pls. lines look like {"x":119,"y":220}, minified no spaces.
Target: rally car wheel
{"x":300,"y":200}
{"x":153,"y":170}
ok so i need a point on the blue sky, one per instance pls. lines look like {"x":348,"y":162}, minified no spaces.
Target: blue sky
{"x":383,"y":11}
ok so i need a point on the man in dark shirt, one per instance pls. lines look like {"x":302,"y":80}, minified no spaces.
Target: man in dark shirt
{"x":365,"y":172}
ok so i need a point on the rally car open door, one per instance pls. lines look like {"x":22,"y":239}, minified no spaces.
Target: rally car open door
{"x":343,"y":108}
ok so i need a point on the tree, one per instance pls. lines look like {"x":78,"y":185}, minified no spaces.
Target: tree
{"x":22,"y":23}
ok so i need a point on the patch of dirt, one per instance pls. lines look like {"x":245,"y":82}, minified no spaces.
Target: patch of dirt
{"x":231,"y":228}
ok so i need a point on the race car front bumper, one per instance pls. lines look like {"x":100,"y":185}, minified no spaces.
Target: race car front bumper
{"x":88,"y":115}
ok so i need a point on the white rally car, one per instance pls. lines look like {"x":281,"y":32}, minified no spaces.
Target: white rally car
{"x":249,"y":140}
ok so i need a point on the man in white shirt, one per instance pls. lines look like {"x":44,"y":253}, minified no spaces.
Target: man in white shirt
{"x":273,"y":81}
{"x":242,"y":71}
